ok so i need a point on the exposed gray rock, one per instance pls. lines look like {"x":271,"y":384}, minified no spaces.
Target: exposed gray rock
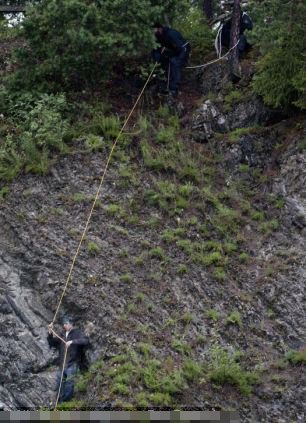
{"x":24,"y":352}
{"x":210,"y":119}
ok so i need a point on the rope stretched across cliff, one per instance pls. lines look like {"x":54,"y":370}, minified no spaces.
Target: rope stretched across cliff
{"x":93,"y":207}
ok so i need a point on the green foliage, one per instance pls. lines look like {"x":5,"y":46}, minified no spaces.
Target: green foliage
{"x":232,"y":98}
{"x":257,"y":215}
{"x":180,"y":346}
{"x":93,"y":249}
{"x":110,"y":126}
{"x":243,"y":257}
{"x":192,"y":370}
{"x":142,"y":399}
{"x":219,"y":273}
{"x":280,"y":77}
{"x":195,"y":29}
{"x":296,"y":357}
{"x":120,"y":388}
{"x":165,"y":135}
{"x":72,"y":405}
{"x":213,"y":315}
{"x":212,"y":258}
{"x":225,"y":370}
{"x":302,"y":145}
{"x":82,"y":41}
{"x":126,"y":278}
{"x":182,"y":269}
{"x":269,"y":226}
{"x":172,"y":235}
{"x":78,"y":197}
{"x":3,"y":193}
{"x":7,"y":31}
{"x":187,"y":318}
{"x":166,"y":196}
{"x":239,"y":132}
{"x":75,"y":43}
{"x":39,"y":135}
{"x":93,"y":142}
{"x":234,"y":318}
{"x":158,"y":253}
{"x":114,"y":210}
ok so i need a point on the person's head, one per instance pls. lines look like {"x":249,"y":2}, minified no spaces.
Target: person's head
{"x":157,"y":28}
{"x":67,"y":323}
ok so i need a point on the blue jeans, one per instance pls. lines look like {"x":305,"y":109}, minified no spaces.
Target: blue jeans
{"x":176,"y":64}
{"x":173,"y":65}
{"x":67,"y":388}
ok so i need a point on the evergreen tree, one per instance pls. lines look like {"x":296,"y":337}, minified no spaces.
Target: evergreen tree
{"x":280,"y":32}
{"x":71,"y":43}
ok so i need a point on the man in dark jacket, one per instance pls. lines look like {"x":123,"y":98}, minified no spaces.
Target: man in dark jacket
{"x":172,"y":55}
{"x":75,"y":341}
{"x":245,"y":23}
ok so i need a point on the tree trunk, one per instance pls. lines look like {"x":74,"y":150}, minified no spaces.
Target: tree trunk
{"x":208,"y":9}
{"x":235,"y":34}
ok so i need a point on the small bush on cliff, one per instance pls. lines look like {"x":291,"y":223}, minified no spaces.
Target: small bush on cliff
{"x":224,"y":369}
{"x":38,"y":131}
{"x":296,"y":357}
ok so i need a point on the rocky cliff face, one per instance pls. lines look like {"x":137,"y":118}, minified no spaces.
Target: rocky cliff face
{"x":140,"y":277}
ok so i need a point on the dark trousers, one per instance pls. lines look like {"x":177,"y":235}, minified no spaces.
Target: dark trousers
{"x":172,"y":65}
{"x":67,"y":388}
{"x":242,"y":45}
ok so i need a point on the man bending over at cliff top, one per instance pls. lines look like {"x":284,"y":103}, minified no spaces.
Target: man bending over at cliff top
{"x":172,"y":55}
{"x":75,"y":342}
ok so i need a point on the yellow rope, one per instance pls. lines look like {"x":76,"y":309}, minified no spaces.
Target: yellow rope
{"x":57,"y":336}
{"x":98,"y":193}
{"x":92,"y":210}
{"x":213,"y":61}
{"x":62,"y":376}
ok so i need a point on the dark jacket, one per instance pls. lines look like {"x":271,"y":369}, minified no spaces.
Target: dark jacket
{"x":75,"y":351}
{"x":245,"y":23}
{"x":172,"y":40}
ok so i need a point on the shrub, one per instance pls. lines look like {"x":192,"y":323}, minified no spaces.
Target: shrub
{"x":75,"y":43}
{"x":93,"y":249}
{"x":234,"y":318}
{"x":223,"y":369}
{"x":165,"y":135}
{"x":212,"y":258}
{"x":296,"y":357}
{"x":192,"y":370}
{"x":93,"y":142}
{"x":213,"y":314}
{"x":39,"y":135}
{"x":269,"y":226}
{"x":219,"y":273}
{"x":3,"y":193}
{"x":158,"y":253}
{"x":126,"y":278}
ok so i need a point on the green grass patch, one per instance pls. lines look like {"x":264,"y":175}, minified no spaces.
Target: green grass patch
{"x":93,"y":249}
{"x":296,"y":357}
{"x":234,"y":318}
{"x":224,"y":369}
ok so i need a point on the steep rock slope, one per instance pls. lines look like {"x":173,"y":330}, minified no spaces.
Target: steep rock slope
{"x":194,"y":256}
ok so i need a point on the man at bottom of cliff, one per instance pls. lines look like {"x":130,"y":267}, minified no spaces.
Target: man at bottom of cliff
{"x":76,"y":341}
